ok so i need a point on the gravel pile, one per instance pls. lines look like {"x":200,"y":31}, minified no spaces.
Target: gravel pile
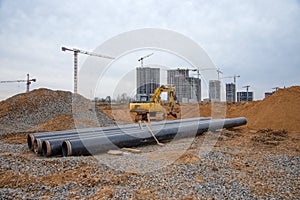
{"x":25,"y":112}
{"x":223,"y":173}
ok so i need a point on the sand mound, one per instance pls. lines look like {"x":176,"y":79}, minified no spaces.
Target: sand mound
{"x":279,"y":111}
{"x":47,"y":110}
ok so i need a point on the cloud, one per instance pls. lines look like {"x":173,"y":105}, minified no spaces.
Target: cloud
{"x":258,"y":40}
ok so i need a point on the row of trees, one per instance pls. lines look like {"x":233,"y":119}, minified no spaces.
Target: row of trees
{"x":123,"y":98}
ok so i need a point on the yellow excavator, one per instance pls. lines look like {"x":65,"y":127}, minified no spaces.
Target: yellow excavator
{"x":154,"y":110}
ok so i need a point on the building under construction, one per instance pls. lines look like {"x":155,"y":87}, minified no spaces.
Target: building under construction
{"x":147,"y":80}
{"x":230,"y":92}
{"x":214,"y":90}
{"x":188,"y":89}
{"x":244,"y":96}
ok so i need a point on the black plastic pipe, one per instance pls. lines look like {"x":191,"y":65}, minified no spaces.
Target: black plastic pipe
{"x":95,"y":145}
{"x":53,"y":146}
{"x":32,"y":136}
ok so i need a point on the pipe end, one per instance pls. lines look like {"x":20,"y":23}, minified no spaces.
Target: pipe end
{"x":37,"y":148}
{"x":66,"y":148}
{"x":30,"y":141}
{"x":46,"y":148}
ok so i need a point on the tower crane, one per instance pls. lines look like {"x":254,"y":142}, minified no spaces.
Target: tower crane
{"x":142,"y":58}
{"x":234,"y":78}
{"x":76,"y":51}
{"x":28,"y":82}
{"x":218,"y":71}
{"x":247,"y":89}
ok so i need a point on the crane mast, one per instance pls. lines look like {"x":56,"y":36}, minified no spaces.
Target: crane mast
{"x":247,"y":87}
{"x":76,"y":51}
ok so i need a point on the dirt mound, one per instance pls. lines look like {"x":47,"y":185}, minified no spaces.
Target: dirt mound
{"x":228,"y":134}
{"x":278,"y":111}
{"x":47,"y":110}
{"x":270,"y":137}
{"x":187,"y":157}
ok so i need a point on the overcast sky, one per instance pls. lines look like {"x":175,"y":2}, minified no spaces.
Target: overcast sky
{"x":258,"y":40}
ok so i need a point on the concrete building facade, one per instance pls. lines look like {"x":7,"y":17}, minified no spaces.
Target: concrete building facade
{"x":188,"y":89}
{"x":147,"y":80}
{"x":230,"y":92}
{"x":214,"y":90}
{"x":244,"y":96}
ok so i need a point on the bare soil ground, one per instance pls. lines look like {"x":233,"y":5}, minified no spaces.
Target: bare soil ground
{"x":258,"y":160}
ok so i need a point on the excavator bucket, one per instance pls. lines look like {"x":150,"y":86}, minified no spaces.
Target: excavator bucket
{"x":173,"y":114}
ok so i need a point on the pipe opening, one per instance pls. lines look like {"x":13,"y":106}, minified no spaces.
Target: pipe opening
{"x":30,"y":140}
{"x":46,"y":148}
{"x":66,"y":149}
{"x":37,"y":148}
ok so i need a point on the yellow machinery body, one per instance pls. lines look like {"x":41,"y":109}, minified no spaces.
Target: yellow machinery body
{"x":154,"y":109}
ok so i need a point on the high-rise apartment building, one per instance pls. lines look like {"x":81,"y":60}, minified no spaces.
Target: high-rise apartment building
{"x":244,"y":96}
{"x":148,"y":79}
{"x":230,"y":92}
{"x":214,"y":90}
{"x":188,"y":89}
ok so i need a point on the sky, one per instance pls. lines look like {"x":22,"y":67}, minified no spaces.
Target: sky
{"x":258,"y":40}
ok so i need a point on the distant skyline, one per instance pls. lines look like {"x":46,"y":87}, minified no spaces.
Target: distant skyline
{"x":258,"y":40}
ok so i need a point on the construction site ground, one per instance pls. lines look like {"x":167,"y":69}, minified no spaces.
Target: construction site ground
{"x":260,"y":160}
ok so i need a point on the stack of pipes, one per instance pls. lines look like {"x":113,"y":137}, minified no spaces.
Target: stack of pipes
{"x":91,"y":141}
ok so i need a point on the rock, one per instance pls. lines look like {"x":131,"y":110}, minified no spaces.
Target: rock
{"x":115,"y":152}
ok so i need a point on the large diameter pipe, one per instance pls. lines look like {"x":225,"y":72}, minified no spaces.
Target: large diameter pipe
{"x":38,"y":138}
{"x":36,"y":145}
{"x":32,"y":136}
{"x":53,"y":146}
{"x":95,"y":145}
